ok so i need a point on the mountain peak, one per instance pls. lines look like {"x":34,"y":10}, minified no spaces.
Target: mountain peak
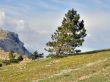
{"x":9,"y":41}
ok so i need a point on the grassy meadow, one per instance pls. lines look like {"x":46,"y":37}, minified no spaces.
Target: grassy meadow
{"x":88,"y":67}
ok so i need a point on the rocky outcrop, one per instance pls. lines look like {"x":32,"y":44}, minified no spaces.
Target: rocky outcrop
{"x":9,"y":41}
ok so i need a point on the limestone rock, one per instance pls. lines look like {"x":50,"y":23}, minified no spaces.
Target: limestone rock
{"x":9,"y":41}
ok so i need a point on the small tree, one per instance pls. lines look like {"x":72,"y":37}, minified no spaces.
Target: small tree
{"x":11,"y":56}
{"x":68,"y":36}
{"x":36,"y":55}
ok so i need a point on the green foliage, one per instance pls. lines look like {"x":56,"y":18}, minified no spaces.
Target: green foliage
{"x":11,"y":56}
{"x":6,"y":62}
{"x":36,"y":55}
{"x":12,"y":59}
{"x":0,"y":64}
{"x":68,"y":36}
{"x":20,"y":58}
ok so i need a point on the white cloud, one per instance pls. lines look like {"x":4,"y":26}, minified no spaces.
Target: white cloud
{"x":20,"y":25}
{"x":97,"y":20}
{"x":2,"y":17}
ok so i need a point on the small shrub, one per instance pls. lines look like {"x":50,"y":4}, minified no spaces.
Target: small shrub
{"x":77,"y":51}
{"x":20,"y":58}
{"x":14,"y":61}
{"x":0,"y":64}
{"x":36,"y":55}
{"x":11,"y":55}
{"x":6,"y":62}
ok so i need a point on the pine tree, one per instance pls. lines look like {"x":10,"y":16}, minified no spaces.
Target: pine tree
{"x":68,"y":36}
{"x":36,"y":55}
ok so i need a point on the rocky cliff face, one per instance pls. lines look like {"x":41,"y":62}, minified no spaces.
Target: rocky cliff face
{"x":9,"y":41}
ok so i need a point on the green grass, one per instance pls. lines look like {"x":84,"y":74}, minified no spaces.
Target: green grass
{"x":89,"y":67}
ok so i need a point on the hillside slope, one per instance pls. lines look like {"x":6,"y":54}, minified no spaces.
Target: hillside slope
{"x":89,"y":67}
{"x":3,"y":55}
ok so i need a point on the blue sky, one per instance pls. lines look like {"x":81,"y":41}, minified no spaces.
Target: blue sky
{"x":36,"y":20}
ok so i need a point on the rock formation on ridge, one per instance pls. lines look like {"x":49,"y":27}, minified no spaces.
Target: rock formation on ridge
{"x":9,"y":41}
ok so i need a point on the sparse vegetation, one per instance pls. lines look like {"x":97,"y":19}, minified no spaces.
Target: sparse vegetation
{"x":36,"y":55}
{"x":0,"y":64}
{"x":6,"y":62}
{"x":20,"y":58}
{"x":86,"y":67}
{"x":11,"y":56}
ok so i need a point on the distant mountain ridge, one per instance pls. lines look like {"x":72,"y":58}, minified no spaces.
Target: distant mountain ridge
{"x":9,"y":41}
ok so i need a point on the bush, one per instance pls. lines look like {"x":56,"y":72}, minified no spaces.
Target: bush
{"x":20,"y":58}
{"x":11,"y":55}
{"x":6,"y":62}
{"x":0,"y":65}
{"x":77,"y":51}
{"x":14,"y":61}
{"x":12,"y":58}
{"x":36,"y":55}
